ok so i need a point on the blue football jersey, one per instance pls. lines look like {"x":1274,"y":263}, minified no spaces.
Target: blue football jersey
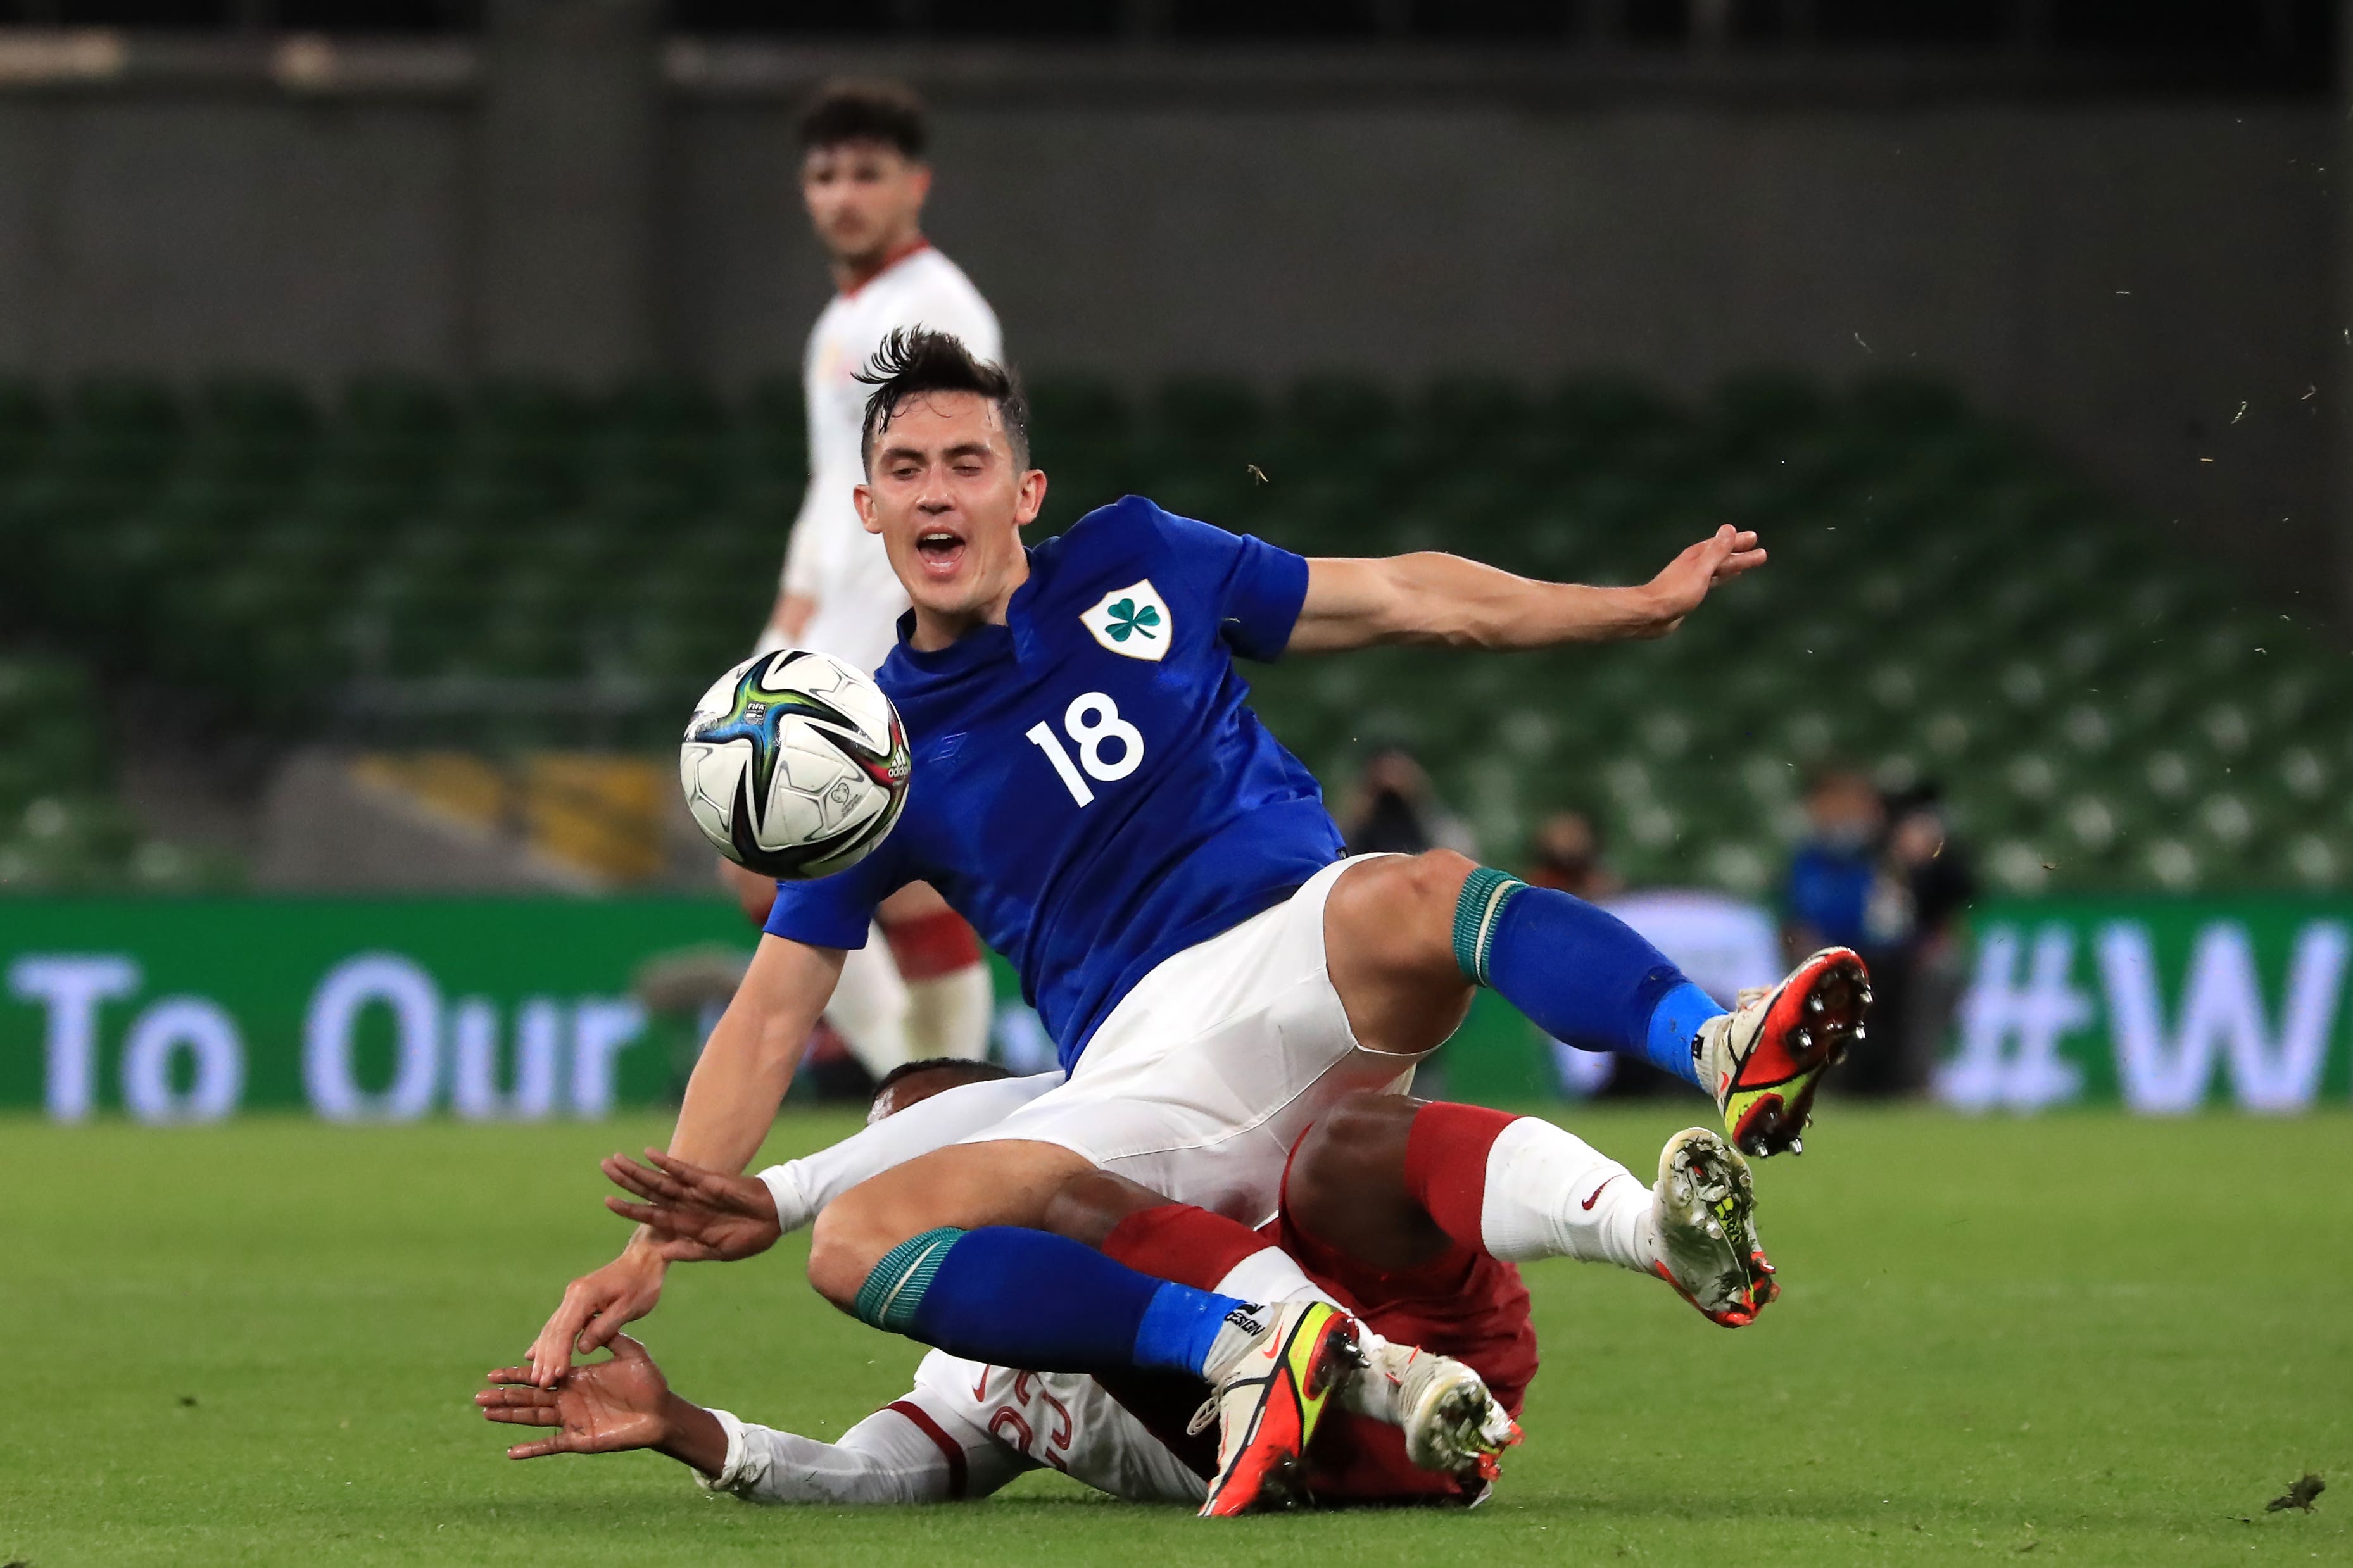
{"x":1090,"y":789}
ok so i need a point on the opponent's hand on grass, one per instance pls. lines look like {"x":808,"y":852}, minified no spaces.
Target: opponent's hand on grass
{"x":1678,"y":590}
{"x":606,"y":1408}
{"x":596,"y":1307}
{"x":693,"y":1215}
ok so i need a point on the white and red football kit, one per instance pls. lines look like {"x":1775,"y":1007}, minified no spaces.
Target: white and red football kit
{"x":831,"y":558}
{"x":834,"y":562}
{"x":966,"y":1430}
{"x":963,"y":1431}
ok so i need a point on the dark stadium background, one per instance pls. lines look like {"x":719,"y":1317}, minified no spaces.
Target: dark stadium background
{"x":399,"y":424}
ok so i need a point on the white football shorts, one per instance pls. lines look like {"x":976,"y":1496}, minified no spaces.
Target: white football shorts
{"x":1208,"y":1072}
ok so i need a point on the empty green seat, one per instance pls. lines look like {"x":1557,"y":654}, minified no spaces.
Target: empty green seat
{"x":1471,"y":418}
{"x":1076,"y":420}
{"x":125,"y":407}
{"x":1772,"y":403}
{"x":391,"y":404}
{"x":24,"y":426}
{"x":1598,"y":410}
{"x":664,"y":405}
{"x":1348,"y":417}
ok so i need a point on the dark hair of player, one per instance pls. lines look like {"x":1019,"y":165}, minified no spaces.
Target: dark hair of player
{"x":884,"y":111}
{"x":973,"y":1071}
{"x":913,"y":361}
{"x":962,"y":1070}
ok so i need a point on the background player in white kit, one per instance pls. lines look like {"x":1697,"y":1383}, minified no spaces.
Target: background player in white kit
{"x":923,"y":991}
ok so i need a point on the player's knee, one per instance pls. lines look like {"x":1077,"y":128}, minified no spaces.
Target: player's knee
{"x":1363,"y":1132}
{"x":1439,"y":876}
{"x":1369,"y":1122}
{"x":843,"y":1249}
{"x":1348,"y":1188}
{"x":1406,"y":912}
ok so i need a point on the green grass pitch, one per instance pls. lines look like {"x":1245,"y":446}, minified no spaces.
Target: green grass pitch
{"x":2085,"y":1337}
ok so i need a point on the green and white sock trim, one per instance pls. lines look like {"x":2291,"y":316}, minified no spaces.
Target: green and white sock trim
{"x":1485,"y":894}
{"x":890,"y":1294}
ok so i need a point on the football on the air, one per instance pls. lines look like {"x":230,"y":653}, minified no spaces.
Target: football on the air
{"x":795,"y":765}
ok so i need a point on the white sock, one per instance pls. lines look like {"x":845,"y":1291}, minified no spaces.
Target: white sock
{"x":949,"y":1014}
{"x":1549,"y":1194}
{"x":1271,"y":1274}
{"x":1243,"y":1327}
{"x":870,"y":1006}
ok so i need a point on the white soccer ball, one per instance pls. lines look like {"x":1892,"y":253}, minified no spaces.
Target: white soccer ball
{"x":795,"y":765}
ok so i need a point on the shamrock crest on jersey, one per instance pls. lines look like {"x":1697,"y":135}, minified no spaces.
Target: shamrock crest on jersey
{"x":1133,"y":621}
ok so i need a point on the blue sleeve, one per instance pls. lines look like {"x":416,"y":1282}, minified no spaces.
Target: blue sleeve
{"x":1255,"y":587}
{"x":836,"y":910}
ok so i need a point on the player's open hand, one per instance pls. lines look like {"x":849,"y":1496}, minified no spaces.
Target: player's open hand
{"x":1677,"y":591}
{"x":604,"y":1408}
{"x":596,"y":1307}
{"x":693,"y":1215}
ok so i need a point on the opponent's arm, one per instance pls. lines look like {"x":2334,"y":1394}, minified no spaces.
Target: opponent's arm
{"x":626,"y":1404}
{"x":886,"y":1459}
{"x":1446,"y":601}
{"x":611,"y":1407}
{"x":738,"y":1082}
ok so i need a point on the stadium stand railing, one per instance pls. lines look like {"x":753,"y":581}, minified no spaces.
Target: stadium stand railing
{"x":517,"y":567}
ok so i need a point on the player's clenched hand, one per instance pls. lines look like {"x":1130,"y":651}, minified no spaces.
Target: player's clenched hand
{"x":693,"y":1215}
{"x":1677,"y":591}
{"x":600,"y":1409}
{"x":596,"y":1307}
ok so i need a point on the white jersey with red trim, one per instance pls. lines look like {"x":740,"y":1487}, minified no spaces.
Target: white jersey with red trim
{"x":831,"y":558}
{"x":963,"y":1431}
{"x":1060,"y":1419}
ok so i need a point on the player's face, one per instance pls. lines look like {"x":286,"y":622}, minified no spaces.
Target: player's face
{"x":863,"y":197}
{"x":944,"y":493}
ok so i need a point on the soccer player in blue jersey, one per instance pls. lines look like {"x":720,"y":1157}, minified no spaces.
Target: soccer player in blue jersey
{"x":1091,"y":792}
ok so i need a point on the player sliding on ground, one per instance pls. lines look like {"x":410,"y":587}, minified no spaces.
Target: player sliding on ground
{"x":1091,"y":791}
{"x":1405,"y":1212}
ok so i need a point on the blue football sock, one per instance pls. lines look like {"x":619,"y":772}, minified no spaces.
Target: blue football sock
{"x":1667,"y":1042}
{"x":1027,"y":1299}
{"x":1584,"y":976}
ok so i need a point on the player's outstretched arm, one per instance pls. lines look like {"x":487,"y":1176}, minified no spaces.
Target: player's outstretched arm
{"x":1449,"y":601}
{"x":608,"y":1408}
{"x":738,"y":1082}
{"x":693,"y":1215}
{"x":626,"y":1404}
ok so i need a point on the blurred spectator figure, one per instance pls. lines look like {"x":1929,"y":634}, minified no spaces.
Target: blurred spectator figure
{"x":1840,"y":893}
{"x":1921,"y":855}
{"x":1917,"y":977}
{"x":1394,"y":809}
{"x":1882,"y":876}
{"x":1834,"y":878}
{"x":1722,"y":943}
{"x":1567,"y":856}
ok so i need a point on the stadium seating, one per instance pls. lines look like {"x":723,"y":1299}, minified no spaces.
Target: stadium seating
{"x":1948,"y":602}
{"x":60,"y":830}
